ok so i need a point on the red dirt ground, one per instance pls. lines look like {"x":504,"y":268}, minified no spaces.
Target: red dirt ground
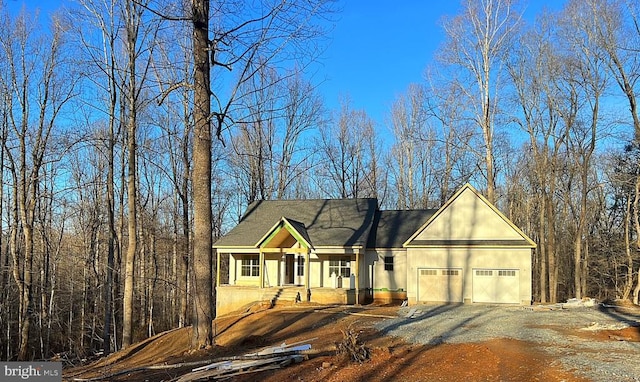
{"x":392,"y":359}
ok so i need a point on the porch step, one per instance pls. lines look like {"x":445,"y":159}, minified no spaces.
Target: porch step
{"x":283,"y":295}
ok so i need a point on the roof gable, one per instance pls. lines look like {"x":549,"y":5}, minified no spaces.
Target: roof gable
{"x":469,"y":219}
{"x":284,"y":229}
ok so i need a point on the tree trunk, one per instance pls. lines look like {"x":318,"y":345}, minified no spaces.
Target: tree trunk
{"x":183,"y":263}
{"x":113,"y":235}
{"x":577,"y":263}
{"x":127,"y":331}
{"x":44,"y":294}
{"x":26,"y":205}
{"x":185,"y":247}
{"x":4,"y":256}
{"x":152,"y":283}
{"x":120,"y":254}
{"x":543,"y":249}
{"x":585,"y":269}
{"x":628,"y":285}
{"x":26,"y":296}
{"x":202,"y":251}
{"x":132,"y":23}
{"x":636,"y":221}
{"x":551,"y":249}
{"x":487,"y":132}
{"x":83,"y":308}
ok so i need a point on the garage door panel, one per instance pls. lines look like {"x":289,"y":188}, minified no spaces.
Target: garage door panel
{"x":443,"y":285}
{"x":496,"y":285}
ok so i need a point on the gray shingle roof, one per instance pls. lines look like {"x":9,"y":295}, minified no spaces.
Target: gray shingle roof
{"x":393,"y":227}
{"x":328,"y":222}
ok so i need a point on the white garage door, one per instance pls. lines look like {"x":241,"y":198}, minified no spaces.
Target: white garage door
{"x":443,"y":285}
{"x":496,"y":286}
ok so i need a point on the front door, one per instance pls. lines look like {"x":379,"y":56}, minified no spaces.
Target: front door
{"x":293,"y":269}
{"x":289,"y":269}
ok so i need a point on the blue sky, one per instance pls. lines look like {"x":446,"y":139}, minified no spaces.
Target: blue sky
{"x":377,"y":48}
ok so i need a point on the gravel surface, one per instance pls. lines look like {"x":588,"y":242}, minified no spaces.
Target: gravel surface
{"x":556,"y":332}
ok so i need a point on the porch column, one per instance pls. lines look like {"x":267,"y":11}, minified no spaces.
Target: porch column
{"x":307,"y":270}
{"x":281,"y":270}
{"x":358,"y":276}
{"x":261,"y":268}
{"x":217,"y":268}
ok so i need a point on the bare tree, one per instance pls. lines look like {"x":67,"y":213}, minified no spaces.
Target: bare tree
{"x":454,"y":157}
{"x":86,"y":210}
{"x":3,"y":254}
{"x":111,"y":26}
{"x":102,"y":17}
{"x":246,"y":37}
{"x":410,"y":166}
{"x":433,"y":153}
{"x":478,"y":41}
{"x":254,"y":143}
{"x":616,"y":33}
{"x":622,"y":172}
{"x":347,"y":158}
{"x":534,"y":71}
{"x":587,"y":70}
{"x":132,"y":19}
{"x":202,"y":222}
{"x":268,"y":151}
{"x":39,"y":88}
{"x":174,"y":66}
{"x":4,"y":258}
{"x":302,"y":112}
{"x":636,"y":224}
{"x":414,"y":166}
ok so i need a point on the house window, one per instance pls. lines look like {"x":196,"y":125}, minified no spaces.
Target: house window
{"x":300,"y":268}
{"x":507,"y":273}
{"x":250,"y":266}
{"x":450,"y":272}
{"x":388,"y":263}
{"x":484,"y":272}
{"x":340,"y":266}
{"x":428,"y":272}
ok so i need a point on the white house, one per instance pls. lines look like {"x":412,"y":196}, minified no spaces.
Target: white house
{"x":346,"y":251}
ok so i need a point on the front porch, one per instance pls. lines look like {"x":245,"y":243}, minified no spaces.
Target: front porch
{"x":269,"y":270}
{"x":283,"y":267}
{"x":230,"y":298}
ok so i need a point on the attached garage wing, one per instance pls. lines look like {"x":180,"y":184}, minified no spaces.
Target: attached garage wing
{"x":496,"y":286}
{"x":440,"y":284}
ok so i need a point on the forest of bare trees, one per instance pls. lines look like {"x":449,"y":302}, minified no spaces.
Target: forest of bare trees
{"x":135,"y":132}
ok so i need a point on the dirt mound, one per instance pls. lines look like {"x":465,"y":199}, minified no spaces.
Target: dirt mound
{"x":167,"y":355}
{"x":159,"y":349}
{"x":496,"y":360}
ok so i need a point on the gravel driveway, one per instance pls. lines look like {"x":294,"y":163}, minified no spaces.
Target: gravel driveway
{"x":605,"y":360}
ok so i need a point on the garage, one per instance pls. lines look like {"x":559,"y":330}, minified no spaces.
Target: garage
{"x":444,"y":284}
{"x":496,"y":286}
{"x":468,"y":251}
